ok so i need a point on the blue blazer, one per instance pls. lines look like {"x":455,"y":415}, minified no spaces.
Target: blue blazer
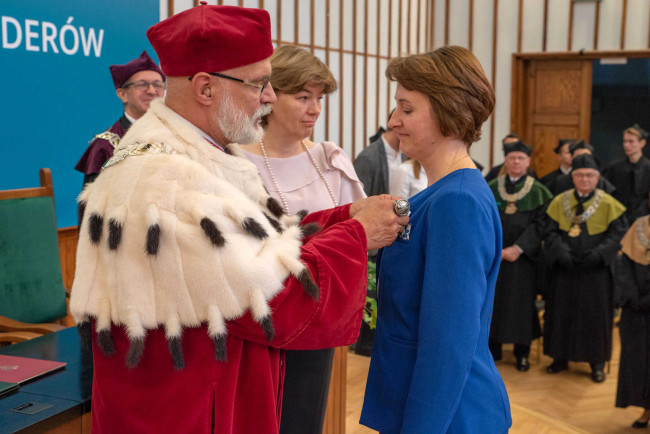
{"x":431,"y":370}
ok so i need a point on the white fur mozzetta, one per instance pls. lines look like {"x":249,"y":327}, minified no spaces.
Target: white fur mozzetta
{"x":177,"y":233}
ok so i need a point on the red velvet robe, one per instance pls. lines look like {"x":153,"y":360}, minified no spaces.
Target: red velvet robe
{"x":243,"y":395}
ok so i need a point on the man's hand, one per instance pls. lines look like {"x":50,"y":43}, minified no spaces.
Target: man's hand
{"x":510,"y":254}
{"x":378,"y":219}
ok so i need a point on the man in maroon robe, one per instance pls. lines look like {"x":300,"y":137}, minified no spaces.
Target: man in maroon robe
{"x":137,"y":83}
{"x":190,"y":280}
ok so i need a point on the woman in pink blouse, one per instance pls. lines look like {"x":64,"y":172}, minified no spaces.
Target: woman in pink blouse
{"x":302,"y":175}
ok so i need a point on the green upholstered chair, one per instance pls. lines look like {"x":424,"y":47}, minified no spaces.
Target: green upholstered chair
{"x":32,"y":295}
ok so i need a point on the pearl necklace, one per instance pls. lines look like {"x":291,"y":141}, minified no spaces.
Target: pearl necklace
{"x":275,"y":181}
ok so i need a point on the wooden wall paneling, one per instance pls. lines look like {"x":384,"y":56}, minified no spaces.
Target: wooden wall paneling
{"x":570,"y":38}
{"x":365,"y":71}
{"x":432,"y":18}
{"x":517,"y":94}
{"x":400,"y":51}
{"x":408,"y":28}
{"x":585,"y":109}
{"x":327,"y":61}
{"x":446,"y":22}
{"x":296,"y":8}
{"x":649,"y":30}
{"x":419,"y":38}
{"x":427,"y":30}
{"x":596,"y":25}
{"x":354,"y":77}
{"x":377,"y":77}
{"x":520,"y":23}
{"x":170,"y":8}
{"x":587,"y":54}
{"x":471,"y":25}
{"x":545,"y":31}
{"x":623,"y":19}
{"x":278,"y":17}
{"x":341,"y":25}
{"x":494,"y":74}
{"x":311,"y":28}
{"x":389,"y":49}
{"x":335,"y":424}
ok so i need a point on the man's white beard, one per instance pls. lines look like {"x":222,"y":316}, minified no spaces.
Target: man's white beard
{"x":236,"y":126}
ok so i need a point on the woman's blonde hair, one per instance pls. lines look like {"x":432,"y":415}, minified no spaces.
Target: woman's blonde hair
{"x":294,"y":67}
{"x":453,"y":80}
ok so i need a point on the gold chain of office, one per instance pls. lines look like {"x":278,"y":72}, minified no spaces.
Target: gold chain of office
{"x":577,"y":220}
{"x":512,"y":199}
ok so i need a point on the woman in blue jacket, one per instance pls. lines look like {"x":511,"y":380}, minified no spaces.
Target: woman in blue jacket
{"x":431,"y":369}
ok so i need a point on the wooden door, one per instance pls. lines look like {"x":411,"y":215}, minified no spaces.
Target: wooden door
{"x":551,"y":101}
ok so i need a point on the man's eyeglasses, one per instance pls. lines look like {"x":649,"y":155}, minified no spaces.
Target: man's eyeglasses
{"x":261,"y":85}
{"x":160,"y":86}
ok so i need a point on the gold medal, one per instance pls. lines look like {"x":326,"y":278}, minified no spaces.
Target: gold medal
{"x":574,"y":231}
{"x":511,"y":208}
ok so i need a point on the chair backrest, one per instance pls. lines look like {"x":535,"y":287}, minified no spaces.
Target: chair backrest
{"x":31,"y":283}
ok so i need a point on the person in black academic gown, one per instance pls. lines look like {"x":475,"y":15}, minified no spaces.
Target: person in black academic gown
{"x":564,"y":182}
{"x":631,"y":174}
{"x":521,"y":202}
{"x":632,"y":293}
{"x":137,"y":83}
{"x":584,"y":229}
{"x":564,"y":158}
{"x":499,"y":169}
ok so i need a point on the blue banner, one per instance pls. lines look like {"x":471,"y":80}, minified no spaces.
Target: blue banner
{"x":57,"y":88}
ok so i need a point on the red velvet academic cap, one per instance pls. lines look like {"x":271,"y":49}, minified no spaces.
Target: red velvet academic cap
{"x":211,"y":39}
{"x":121,"y":73}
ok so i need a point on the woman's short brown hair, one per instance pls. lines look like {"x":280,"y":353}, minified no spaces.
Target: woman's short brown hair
{"x":293,"y":67}
{"x":453,"y":80}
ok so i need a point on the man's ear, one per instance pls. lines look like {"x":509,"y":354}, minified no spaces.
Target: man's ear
{"x":643,"y":142}
{"x":202,"y":88}
{"x":121,"y":94}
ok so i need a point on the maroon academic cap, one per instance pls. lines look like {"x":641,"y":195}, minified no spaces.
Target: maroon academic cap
{"x":211,"y":38}
{"x":121,"y":73}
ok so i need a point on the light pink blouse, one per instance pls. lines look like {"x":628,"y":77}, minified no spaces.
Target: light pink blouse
{"x":301,"y":184}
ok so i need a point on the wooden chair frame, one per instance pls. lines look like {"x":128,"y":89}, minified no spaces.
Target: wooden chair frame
{"x":21,"y":330}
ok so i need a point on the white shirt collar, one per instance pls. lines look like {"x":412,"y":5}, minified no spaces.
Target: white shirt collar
{"x":565,"y":171}
{"x":130,"y":118}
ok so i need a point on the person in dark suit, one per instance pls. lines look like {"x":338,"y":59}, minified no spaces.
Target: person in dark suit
{"x":498,"y":169}
{"x":631,"y":174}
{"x":564,"y":158}
{"x":374,"y":164}
{"x":564,"y":182}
